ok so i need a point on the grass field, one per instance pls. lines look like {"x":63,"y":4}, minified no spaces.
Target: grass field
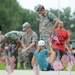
{"x":2,"y":66}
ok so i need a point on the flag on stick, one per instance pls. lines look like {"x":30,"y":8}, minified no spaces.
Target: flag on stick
{"x":53,"y":38}
{"x":8,"y":67}
{"x":57,"y":65}
{"x":36,"y":69}
{"x":12,"y":59}
{"x":3,"y":59}
{"x":70,"y":64}
{"x":64,"y":58}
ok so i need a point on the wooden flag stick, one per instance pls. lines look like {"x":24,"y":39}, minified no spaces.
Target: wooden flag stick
{"x":70,"y":72}
{"x":58,"y":72}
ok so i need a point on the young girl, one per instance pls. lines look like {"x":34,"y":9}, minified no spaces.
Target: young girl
{"x":45,"y":63}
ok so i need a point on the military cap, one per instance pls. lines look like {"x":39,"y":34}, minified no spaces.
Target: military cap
{"x":25,"y":26}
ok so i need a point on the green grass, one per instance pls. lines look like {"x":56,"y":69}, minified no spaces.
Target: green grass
{"x":65,"y":66}
{"x":3,"y":66}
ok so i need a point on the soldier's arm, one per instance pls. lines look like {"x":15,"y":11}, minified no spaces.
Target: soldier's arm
{"x":55,"y":24}
{"x":31,"y":45}
{"x":40,"y":26}
{"x":34,"y":39}
{"x":18,"y":44}
{"x":0,"y":51}
{"x":23,"y":45}
{"x":54,"y":19}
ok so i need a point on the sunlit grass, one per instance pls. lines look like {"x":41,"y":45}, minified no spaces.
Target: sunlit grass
{"x":3,"y":66}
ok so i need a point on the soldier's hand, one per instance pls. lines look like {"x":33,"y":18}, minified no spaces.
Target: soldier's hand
{"x":13,"y":52}
{"x":24,"y":50}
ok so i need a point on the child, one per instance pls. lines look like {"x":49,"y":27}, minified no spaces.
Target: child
{"x":40,"y":55}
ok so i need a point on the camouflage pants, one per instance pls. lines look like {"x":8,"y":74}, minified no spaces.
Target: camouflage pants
{"x":21,"y":55}
{"x":28,"y":58}
{"x":16,"y":56}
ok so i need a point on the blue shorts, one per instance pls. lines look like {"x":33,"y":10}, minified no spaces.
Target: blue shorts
{"x":48,"y":68}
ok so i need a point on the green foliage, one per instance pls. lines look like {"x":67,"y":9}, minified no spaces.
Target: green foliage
{"x":67,"y":18}
{"x":12,"y":16}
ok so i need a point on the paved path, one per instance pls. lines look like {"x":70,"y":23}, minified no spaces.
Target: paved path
{"x":31,"y":72}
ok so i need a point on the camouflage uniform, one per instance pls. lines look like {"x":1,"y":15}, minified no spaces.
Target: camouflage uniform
{"x":46,"y":25}
{"x":1,"y":40}
{"x":21,"y":55}
{"x":1,"y":43}
{"x":28,"y":39}
{"x":47,"y":21}
{"x":13,"y":38}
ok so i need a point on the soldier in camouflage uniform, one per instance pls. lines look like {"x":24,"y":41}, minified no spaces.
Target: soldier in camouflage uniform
{"x":14,"y":37}
{"x":1,"y":39}
{"x":48,"y":22}
{"x":29,"y":41}
{"x":1,"y":43}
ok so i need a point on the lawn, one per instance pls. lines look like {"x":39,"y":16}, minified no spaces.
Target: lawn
{"x":2,"y":66}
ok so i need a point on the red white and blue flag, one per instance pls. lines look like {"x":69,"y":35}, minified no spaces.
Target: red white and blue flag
{"x":70,"y":63}
{"x":36,"y":69}
{"x":64,"y":58}
{"x":10,"y":65}
{"x":57,"y":65}
{"x":53,"y":38}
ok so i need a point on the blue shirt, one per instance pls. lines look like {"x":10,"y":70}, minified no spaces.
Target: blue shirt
{"x":41,"y":58}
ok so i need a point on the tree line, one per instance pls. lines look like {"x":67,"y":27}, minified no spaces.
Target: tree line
{"x":12,"y":17}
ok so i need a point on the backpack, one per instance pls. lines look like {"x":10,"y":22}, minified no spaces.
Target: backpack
{"x":49,"y":18}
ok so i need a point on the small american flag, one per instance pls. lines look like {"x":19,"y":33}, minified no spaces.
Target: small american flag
{"x":57,"y":65}
{"x":36,"y":69}
{"x":64,"y":58}
{"x":3,"y":59}
{"x":12,"y":65}
{"x":53,"y":38}
{"x":70,"y":64}
{"x":8,"y":67}
{"x":12,"y":59}
{"x":73,"y":59}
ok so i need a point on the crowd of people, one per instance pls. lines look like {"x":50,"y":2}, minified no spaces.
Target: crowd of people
{"x":26,"y":48}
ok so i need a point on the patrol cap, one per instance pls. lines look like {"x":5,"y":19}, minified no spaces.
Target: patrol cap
{"x":38,"y":7}
{"x":25,"y":26}
{"x":41,"y":43}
